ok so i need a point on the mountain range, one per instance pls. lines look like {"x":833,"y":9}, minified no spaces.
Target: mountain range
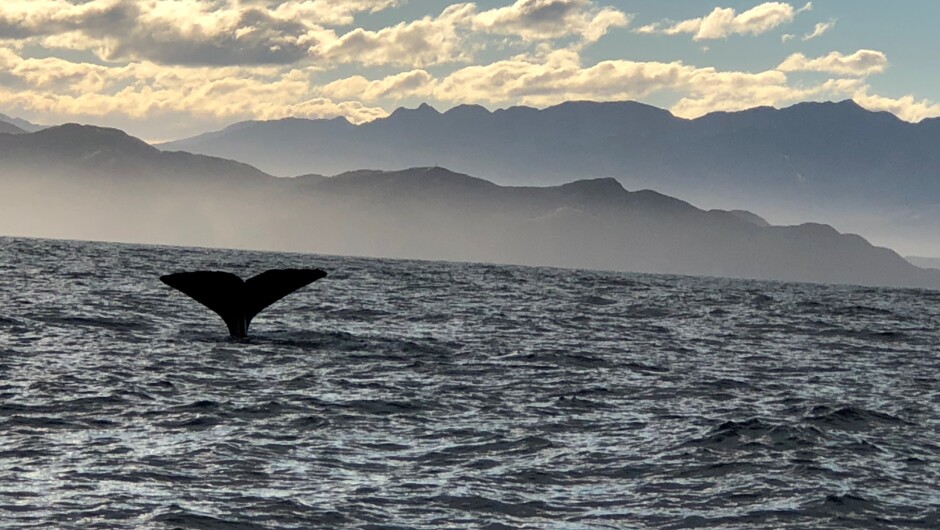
{"x":73,"y":149}
{"x":926,"y":263}
{"x":85,"y":182}
{"x":9,"y":128}
{"x":12,"y":125}
{"x":810,"y":146}
{"x":834,"y":162}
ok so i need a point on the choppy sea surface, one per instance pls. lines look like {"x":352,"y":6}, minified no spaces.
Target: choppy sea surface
{"x":405,"y":394}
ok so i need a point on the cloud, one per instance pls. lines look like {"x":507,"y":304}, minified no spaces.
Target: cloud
{"x":861,"y":63}
{"x":739,"y":93}
{"x":550,"y":19}
{"x":141,"y":90}
{"x":907,"y":108}
{"x":422,"y":42}
{"x":187,"y":32}
{"x":724,"y":22}
{"x":415,"y":83}
{"x":256,"y":32}
{"x":330,"y":12}
{"x":353,"y":111}
{"x":215,"y":61}
{"x":183,"y":32}
{"x":558,"y":76}
{"x":820,"y":29}
{"x":447,"y":37}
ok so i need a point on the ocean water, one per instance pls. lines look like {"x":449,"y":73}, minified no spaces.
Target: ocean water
{"x":402,"y":394}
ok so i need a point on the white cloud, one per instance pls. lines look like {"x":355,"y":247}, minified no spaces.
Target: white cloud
{"x":202,"y":61}
{"x":56,"y":87}
{"x":415,"y":83}
{"x":821,"y":29}
{"x":255,"y":32}
{"x":766,"y":90}
{"x":549,"y":19}
{"x":165,"y":31}
{"x":861,"y":63}
{"x":330,"y":12}
{"x":185,"y":32}
{"x":558,"y":76}
{"x":907,"y":107}
{"x":447,"y":37}
{"x":648,"y":29}
{"x":353,"y":111}
{"x":422,"y":42}
{"x":724,"y":22}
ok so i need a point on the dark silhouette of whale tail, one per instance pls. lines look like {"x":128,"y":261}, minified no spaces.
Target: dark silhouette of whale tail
{"x":237,"y":301}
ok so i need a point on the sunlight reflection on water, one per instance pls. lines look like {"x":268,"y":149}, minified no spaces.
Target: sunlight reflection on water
{"x":432,"y":394}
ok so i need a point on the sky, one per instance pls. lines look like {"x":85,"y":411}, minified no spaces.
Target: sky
{"x":166,"y":69}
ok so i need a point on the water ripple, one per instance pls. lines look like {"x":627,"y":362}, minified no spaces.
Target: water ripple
{"x":405,"y":394}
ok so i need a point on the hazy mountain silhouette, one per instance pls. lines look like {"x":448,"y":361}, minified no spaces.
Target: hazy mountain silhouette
{"x":105,"y":152}
{"x":834,"y":162}
{"x":9,"y":128}
{"x":750,"y":217}
{"x":806,"y":148}
{"x":92,"y":183}
{"x":926,"y":263}
{"x":21,"y":124}
{"x":598,"y":224}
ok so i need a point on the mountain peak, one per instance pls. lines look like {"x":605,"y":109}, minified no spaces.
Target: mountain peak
{"x":845,"y":113}
{"x":846,"y":104}
{"x":599,"y":187}
{"x":80,"y":137}
{"x":467,"y":110}
{"x":421,"y":110}
{"x":412,"y":182}
{"x":21,"y":124}
{"x":850,"y":103}
{"x":427,"y":173}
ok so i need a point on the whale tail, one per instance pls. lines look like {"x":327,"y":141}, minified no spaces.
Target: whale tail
{"x":238,"y":301}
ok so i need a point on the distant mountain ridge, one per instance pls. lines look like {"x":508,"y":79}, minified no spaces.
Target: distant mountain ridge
{"x":72,"y":148}
{"x":925,"y":263}
{"x":9,"y":128}
{"x":831,"y":162}
{"x":20,"y":124}
{"x":804,"y":149}
{"x":82,"y":182}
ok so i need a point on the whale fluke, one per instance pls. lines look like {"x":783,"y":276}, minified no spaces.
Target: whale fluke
{"x":238,"y":301}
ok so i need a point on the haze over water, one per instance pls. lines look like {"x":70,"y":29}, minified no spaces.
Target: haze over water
{"x":425,"y":395}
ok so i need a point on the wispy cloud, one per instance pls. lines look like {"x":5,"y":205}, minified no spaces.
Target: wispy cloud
{"x":547,"y":19}
{"x":861,"y":63}
{"x":724,"y":22}
{"x":821,"y":29}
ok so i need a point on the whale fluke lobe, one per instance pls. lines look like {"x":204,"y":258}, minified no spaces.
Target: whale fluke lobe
{"x":238,"y":301}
